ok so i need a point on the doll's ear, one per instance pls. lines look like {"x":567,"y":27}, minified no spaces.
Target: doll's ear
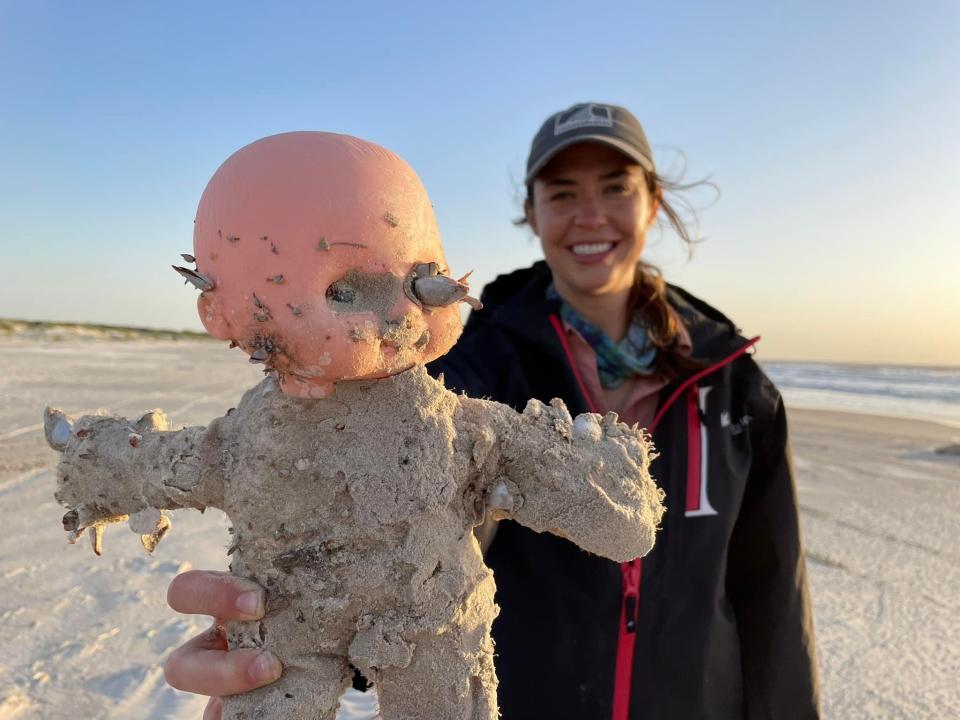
{"x":212,"y":316}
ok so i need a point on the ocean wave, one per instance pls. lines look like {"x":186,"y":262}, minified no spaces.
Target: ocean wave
{"x":929,"y":393}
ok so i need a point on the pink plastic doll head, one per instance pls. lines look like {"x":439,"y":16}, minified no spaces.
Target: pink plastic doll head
{"x":319,"y":255}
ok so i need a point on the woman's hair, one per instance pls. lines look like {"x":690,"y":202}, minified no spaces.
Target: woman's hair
{"x":649,"y":294}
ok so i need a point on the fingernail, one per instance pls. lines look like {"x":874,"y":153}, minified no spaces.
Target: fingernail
{"x":265,"y":667}
{"x":251,"y":603}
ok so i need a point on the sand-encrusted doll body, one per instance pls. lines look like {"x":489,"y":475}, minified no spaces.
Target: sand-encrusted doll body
{"x":353,"y":494}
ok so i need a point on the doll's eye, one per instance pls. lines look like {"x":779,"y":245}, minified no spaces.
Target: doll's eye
{"x":363,"y":292}
{"x":341,"y":293}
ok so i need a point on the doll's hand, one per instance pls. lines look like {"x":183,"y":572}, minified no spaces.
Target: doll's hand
{"x":203,"y":664}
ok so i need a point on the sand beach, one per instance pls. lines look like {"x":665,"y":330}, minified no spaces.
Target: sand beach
{"x":84,"y":637}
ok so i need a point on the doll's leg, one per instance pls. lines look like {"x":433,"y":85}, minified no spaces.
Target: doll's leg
{"x":303,"y":692}
{"x":451,"y":676}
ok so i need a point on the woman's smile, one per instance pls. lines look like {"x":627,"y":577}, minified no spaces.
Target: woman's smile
{"x":592,"y":252}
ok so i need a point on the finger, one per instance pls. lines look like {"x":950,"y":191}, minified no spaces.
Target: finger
{"x":214,"y":709}
{"x":199,"y":668}
{"x":222,"y":595}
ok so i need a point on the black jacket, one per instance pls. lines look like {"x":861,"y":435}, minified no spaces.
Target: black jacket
{"x":723,"y":628}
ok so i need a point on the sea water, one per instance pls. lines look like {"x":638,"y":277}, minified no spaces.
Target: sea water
{"x":924,"y":393}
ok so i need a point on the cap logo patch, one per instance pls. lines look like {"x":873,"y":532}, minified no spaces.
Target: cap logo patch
{"x":585,"y":116}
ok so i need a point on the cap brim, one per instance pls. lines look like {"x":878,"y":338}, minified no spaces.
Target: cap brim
{"x":617,"y":144}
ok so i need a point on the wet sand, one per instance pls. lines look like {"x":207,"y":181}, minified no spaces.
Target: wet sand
{"x":880,"y":514}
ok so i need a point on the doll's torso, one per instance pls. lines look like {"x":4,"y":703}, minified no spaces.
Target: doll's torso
{"x":353,"y":507}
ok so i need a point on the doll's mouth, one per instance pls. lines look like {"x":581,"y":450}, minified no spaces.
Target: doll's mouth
{"x":391,"y":344}
{"x":402,"y":333}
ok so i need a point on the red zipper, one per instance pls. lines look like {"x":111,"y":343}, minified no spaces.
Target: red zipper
{"x":630,"y":576}
{"x":631,"y":572}
{"x":694,"y":448}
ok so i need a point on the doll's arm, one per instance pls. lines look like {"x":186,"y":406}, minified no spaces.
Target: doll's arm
{"x":111,"y":468}
{"x":584,"y":479}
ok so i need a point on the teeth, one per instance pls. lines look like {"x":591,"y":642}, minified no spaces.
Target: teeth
{"x":591,"y":248}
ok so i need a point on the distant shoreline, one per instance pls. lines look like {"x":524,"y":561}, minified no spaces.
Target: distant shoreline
{"x":61,"y":331}
{"x":858,"y":364}
{"x":56,"y":331}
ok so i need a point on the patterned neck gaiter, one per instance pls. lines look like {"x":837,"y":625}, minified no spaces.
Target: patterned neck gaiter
{"x":616,"y":361}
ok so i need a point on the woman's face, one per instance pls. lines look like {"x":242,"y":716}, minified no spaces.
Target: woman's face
{"x":591,"y":210}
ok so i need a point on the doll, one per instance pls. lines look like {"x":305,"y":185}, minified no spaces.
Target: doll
{"x":352,"y":479}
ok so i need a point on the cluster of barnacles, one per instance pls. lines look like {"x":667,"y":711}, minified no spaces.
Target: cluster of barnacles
{"x":150,"y":524}
{"x":426,"y":286}
{"x":264,"y":346}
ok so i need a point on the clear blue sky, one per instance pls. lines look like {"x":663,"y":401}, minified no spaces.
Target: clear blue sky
{"x":831,"y":129}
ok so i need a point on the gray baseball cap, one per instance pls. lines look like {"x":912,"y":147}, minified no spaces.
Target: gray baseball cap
{"x":589,"y":122}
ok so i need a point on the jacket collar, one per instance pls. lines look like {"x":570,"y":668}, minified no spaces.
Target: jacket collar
{"x":517,"y":303}
{"x":712,"y":334}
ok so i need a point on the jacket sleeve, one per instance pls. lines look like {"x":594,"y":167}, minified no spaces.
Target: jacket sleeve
{"x":767,"y":584}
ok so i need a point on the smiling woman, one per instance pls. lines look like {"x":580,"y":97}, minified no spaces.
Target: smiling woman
{"x":715,"y":622}
{"x":591,"y":204}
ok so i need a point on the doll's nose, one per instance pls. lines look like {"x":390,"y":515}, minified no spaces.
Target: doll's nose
{"x":404,"y":310}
